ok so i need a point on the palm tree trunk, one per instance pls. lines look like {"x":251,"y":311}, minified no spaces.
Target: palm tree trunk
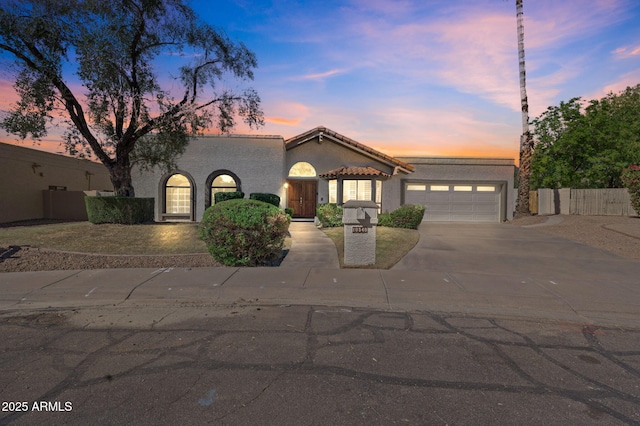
{"x":526,"y":140}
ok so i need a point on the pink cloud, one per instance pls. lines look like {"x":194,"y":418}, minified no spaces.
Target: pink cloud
{"x":51,"y":145}
{"x":629,"y":79}
{"x":283,"y":121}
{"x":473,"y":48}
{"x":321,"y":76}
{"x":626,"y":52}
{"x":386,"y":7}
{"x":398,"y":130}
{"x":438,"y":132}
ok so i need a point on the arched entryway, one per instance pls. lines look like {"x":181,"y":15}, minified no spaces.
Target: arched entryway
{"x":302,"y":190}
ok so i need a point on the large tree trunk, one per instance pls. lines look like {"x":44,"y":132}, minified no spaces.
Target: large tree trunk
{"x":526,"y":140}
{"x":120,"y":175}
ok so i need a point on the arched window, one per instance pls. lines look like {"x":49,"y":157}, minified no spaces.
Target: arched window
{"x":302,"y":169}
{"x":221,"y":181}
{"x":178,"y":195}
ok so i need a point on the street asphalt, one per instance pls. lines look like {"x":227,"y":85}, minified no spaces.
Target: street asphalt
{"x":478,"y":324}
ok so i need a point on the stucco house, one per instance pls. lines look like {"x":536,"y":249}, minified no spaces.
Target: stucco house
{"x":323,"y":166}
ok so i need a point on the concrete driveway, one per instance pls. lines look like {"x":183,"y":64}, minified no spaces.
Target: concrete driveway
{"x":522,"y":268}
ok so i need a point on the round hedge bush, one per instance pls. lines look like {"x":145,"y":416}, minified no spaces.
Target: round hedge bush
{"x":244,"y":232}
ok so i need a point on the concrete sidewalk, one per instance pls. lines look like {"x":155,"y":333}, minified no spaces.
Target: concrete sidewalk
{"x":616,"y":303}
{"x":311,"y":248}
{"x":476,"y":269}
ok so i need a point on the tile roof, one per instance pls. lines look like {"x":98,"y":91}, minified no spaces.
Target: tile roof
{"x":353,"y":171}
{"x":323,"y":131}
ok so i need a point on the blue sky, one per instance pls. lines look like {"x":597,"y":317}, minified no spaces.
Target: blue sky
{"x":427,"y":77}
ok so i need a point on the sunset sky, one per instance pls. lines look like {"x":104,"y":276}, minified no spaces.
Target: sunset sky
{"x":423,"y":77}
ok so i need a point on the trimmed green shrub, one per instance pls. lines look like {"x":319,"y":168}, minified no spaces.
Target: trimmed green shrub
{"x":289,"y":211}
{"x":384,"y":219}
{"x":122,"y":210}
{"x":631,"y":180}
{"x":329,"y":215}
{"x":244,"y":232}
{"x":267,"y":198}
{"x":219,"y":197}
{"x":407,"y":216}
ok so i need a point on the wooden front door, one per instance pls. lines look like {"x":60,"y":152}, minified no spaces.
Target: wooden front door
{"x":302,"y":198}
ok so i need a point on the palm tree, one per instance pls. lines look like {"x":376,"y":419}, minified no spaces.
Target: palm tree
{"x":526,"y":140}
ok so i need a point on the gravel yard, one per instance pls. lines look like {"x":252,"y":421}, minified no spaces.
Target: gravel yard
{"x":22,"y":259}
{"x":620,"y":235}
{"x":617,"y":234}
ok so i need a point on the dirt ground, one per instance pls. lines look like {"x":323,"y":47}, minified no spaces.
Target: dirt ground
{"x":617,"y":234}
{"x":620,"y":235}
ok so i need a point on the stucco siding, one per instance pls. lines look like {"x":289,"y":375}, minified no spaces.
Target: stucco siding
{"x":391,"y":190}
{"x":328,"y":155}
{"x":256,"y":160}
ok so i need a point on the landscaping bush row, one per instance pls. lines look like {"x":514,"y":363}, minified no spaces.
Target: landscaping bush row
{"x":259,"y":196}
{"x":631,"y":180}
{"x":407,"y":216}
{"x":272,"y":199}
{"x":219,"y":197}
{"x":123,"y":210}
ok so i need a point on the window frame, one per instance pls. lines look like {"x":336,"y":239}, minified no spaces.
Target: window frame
{"x":338,"y":186}
{"x":209,"y":197}
{"x":300,"y":176}
{"x":162,"y":190}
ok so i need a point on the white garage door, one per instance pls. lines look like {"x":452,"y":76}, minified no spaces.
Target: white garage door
{"x":456,"y":202}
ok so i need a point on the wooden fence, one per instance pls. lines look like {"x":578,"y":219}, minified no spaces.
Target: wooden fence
{"x":585,"y":202}
{"x":601,"y":202}
{"x":533,"y":202}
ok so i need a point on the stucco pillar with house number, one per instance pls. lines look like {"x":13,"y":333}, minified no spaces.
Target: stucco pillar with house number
{"x":360,"y":219}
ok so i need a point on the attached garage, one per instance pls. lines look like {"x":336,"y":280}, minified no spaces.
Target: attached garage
{"x":456,"y":201}
{"x":460,"y":189}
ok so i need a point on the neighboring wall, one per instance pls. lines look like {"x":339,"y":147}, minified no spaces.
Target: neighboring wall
{"x":257,"y":161}
{"x":586,"y":202}
{"x":27,"y":174}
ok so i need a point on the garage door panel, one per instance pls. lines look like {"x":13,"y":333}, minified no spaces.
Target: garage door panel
{"x":438,"y":197}
{"x":462,"y":198}
{"x":491,"y":210}
{"x":463,"y":202}
{"x":461,"y":217}
{"x":460,"y":208}
{"x":439,"y":207}
{"x":485,"y":198}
